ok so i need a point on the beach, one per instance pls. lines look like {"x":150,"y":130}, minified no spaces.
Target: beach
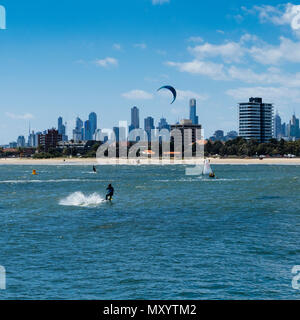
{"x":93,"y":161}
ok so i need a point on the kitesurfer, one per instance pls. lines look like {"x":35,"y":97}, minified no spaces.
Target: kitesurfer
{"x":110,"y":193}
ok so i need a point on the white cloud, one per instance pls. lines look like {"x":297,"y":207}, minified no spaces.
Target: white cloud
{"x":137,"y":95}
{"x":184,"y":95}
{"x":195,"y":39}
{"x":140,"y":45}
{"x":278,"y":95}
{"x":206,"y":68}
{"x":229,"y":52}
{"x":159,"y":2}
{"x":107,"y":62}
{"x":117,"y":46}
{"x":26,"y":116}
{"x":288,"y":50}
{"x":187,"y":94}
{"x":283,"y":14}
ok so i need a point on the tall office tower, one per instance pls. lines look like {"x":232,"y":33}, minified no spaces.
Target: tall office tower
{"x":93,"y":124}
{"x":277,"y":126}
{"x":284,"y":130}
{"x":148,"y":126}
{"x":116,"y":131}
{"x":135,"y":119}
{"x":193,"y":111}
{"x":32,"y":141}
{"x":78,"y":131}
{"x":163,"y":124}
{"x":61,"y":128}
{"x":87,"y":130}
{"x":293,"y":128}
{"x":21,"y":141}
{"x":256,"y":120}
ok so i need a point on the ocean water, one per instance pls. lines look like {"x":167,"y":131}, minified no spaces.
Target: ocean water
{"x":164,"y":236}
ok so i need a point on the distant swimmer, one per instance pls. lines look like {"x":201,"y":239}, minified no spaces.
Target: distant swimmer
{"x":94,"y":169}
{"x":110,"y":194}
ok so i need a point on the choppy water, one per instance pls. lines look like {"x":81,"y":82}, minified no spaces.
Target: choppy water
{"x":165,"y":235}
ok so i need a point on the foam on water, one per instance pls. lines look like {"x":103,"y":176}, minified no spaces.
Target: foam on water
{"x":49,"y":181}
{"x":78,"y":199}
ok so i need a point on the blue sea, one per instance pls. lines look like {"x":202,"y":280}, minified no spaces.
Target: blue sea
{"x":165,"y":235}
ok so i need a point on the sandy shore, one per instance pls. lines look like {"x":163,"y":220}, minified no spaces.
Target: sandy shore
{"x":89,"y":161}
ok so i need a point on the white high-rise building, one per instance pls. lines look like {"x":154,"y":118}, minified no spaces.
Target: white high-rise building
{"x":256,"y":120}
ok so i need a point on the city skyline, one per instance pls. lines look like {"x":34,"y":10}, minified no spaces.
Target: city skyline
{"x":270,"y":124}
{"x":110,"y":62}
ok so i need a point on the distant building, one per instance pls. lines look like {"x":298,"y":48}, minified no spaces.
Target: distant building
{"x":62,"y":129}
{"x":163,"y":124}
{"x":87,"y":131}
{"x":49,"y":140}
{"x":148,"y":126}
{"x":78,"y":131}
{"x":293,"y":128}
{"x":116,"y":131}
{"x":93,"y":125}
{"x":135,"y":119}
{"x":13,"y":145}
{"x":190,"y":132}
{"x":284,"y":130}
{"x":277,"y":126}
{"x":32,"y":140}
{"x":256,"y":120}
{"x":21,"y":141}
{"x":193,"y":111}
{"x":219,"y":135}
{"x":231,"y":135}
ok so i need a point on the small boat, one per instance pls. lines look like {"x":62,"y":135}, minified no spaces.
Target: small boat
{"x":207,"y":170}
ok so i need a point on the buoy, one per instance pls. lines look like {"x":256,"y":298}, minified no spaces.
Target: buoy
{"x":34,"y":172}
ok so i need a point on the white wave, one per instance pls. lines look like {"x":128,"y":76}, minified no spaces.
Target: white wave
{"x":78,"y":199}
{"x":51,"y":180}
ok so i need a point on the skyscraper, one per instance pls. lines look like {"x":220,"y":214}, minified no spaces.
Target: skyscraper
{"x":60,"y":126}
{"x":293,"y":128}
{"x":78,"y":131}
{"x":148,"y":126}
{"x":93,"y":124}
{"x":193,"y":111}
{"x":87,"y":130}
{"x":256,"y":120}
{"x":277,"y":126}
{"x":163,"y":124}
{"x":135,"y":119}
{"x":21,"y":141}
{"x":61,"y":129}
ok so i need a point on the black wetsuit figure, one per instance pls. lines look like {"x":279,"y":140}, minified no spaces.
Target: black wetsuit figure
{"x":110,"y":192}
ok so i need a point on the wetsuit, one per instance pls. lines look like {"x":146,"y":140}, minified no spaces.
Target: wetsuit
{"x":110,"y":193}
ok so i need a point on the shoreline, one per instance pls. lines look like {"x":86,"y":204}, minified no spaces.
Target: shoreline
{"x":92,"y":161}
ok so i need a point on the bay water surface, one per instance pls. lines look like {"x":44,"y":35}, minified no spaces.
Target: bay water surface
{"x":165,"y":235}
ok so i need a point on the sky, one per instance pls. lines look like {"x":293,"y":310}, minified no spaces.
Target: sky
{"x":66,"y":58}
